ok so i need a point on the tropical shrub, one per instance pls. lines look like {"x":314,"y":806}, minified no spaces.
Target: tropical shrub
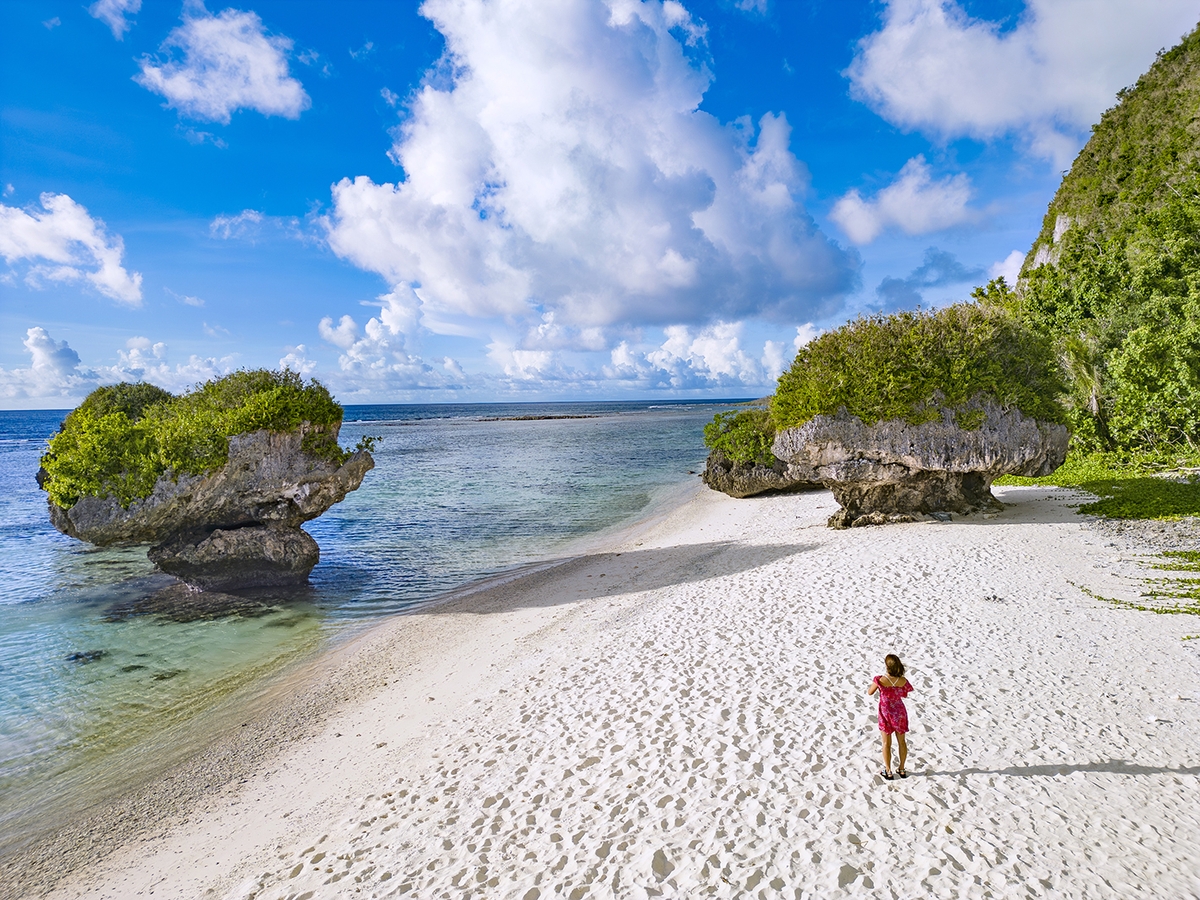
{"x":744,"y":437}
{"x":907,"y":364}
{"x":122,"y":438}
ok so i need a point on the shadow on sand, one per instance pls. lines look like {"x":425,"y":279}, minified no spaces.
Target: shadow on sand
{"x":538,"y":585}
{"x":604,"y":574}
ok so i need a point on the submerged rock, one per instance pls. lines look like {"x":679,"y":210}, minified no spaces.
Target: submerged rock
{"x":893,"y":471}
{"x":741,"y":480}
{"x":235,"y":527}
{"x":250,"y":556}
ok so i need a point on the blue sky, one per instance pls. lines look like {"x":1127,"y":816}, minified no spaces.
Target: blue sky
{"x":470,"y":200}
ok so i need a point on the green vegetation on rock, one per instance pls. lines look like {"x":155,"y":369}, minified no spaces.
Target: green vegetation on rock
{"x":906,"y":365}
{"x":122,"y":438}
{"x":745,"y":437}
{"x":1114,"y":276}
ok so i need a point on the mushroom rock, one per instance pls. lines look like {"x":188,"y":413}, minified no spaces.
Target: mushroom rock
{"x":235,"y":527}
{"x":894,"y":471}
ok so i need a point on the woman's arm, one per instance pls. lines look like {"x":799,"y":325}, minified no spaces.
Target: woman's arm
{"x":874,"y":687}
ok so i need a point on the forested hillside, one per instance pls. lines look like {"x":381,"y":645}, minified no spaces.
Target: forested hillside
{"x":1114,"y":276}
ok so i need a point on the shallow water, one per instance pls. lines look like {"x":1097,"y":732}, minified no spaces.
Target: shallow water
{"x":106,"y":677}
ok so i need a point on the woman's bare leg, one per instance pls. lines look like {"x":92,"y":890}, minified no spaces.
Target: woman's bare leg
{"x":887,"y":752}
{"x":902,"y":746}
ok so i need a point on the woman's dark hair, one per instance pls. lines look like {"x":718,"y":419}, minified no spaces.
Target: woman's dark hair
{"x":895,"y":668}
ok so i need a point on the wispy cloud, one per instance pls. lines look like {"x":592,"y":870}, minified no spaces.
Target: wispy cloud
{"x":915,"y":203}
{"x":939,"y":269}
{"x":195,"y":136}
{"x":185,"y":299}
{"x":251,"y":225}
{"x":244,"y":224}
{"x":754,"y":6}
{"x":113,"y":14}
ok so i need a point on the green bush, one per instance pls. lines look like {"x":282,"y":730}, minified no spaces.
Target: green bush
{"x":122,"y":438}
{"x":131,"y":399}
{"x":744,"y":437}
{"x":902,"y":366}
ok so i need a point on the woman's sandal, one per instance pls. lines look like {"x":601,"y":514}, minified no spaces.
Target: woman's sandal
{"x":901,"y":773}
{"x":886,"y":775}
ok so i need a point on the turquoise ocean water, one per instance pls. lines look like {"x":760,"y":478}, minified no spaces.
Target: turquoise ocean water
{"x":102,"y":683}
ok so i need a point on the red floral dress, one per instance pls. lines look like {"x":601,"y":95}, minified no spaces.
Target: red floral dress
{"x":893,"y":717}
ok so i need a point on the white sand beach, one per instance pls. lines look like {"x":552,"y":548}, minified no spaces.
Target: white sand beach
{"x":686,"y":716}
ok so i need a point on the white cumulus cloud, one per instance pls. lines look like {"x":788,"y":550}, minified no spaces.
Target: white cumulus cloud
{"x":1008,"y":268}
{"x":54,"y":373}
{"x":934,"y":68}
{"x":375,"y":358}
{"x":915,"y":203}
{"x":524,"y":365}
{"x":229,"y":63}
{"x":62,"y":242}
{"x":696,"y":359}
{"x":566,"y":168}
{"x":297,"y":360}
{"x":112,"y":13}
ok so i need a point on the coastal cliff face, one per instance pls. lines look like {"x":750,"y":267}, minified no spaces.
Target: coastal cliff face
{"x":893,"y":471}
{"x":752,"y":479}
{"x":238,"y":526}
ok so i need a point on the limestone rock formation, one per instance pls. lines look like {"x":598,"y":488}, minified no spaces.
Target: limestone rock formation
{"x":245,"y":557}
{"x":740,"y":480}
{"x":236,"y":527}
{"x":893,"y":471}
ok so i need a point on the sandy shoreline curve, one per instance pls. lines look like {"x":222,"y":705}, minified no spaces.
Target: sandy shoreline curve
{"x":683,"y":714}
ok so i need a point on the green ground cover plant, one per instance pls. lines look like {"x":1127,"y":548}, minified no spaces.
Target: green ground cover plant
{"x":1162,"y":609}
{"x":1167,"y":596}
{"x":1181,"y":561}
{"x":744,"y":436}
{"x":123,"y":437}
{"x":907,"y":364}
{"x":1129,"y":486}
